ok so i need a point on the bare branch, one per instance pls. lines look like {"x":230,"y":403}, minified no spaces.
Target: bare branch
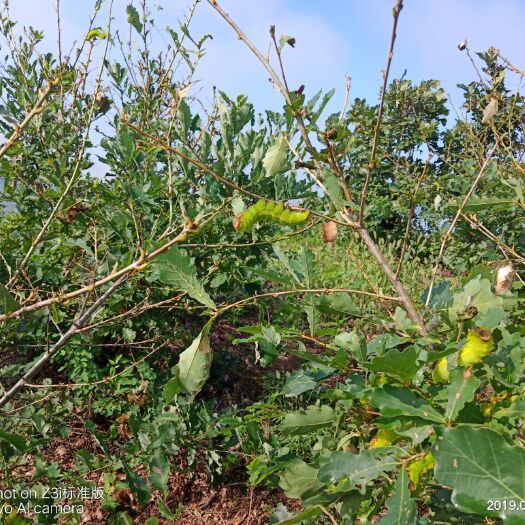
{"x":375,"y":141}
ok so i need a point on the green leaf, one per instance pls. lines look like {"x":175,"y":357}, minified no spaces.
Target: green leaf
{"x":14,"y":439}
{"x":418,"y":468}
{"x":399,"y":401}
{"x":176,"y":269}
{"x":491,"y":318}
{"x":123,"y":518}
{"x":401,"y":507}
{"x":165,"y":511}
{"x":326,"y":98}
{"x":399,"y":364}
{"x":299,"y":479}
{"x":298,"y":383}
{"x":159,"y":472}
{"x":284,"y":260}
{"x":477,"y":204}
{"x":173,"y":386}
{"x":309,"y":420}
{"x":352,"y":343}
{"x":14,"y":518}
{"x":338,"y":303}
{"x":7,"y":303}
{"x":357,"y":470}
{"x":133,"y":17}
{"x":335,"y":192}
{"x":477,"y":293}
{"x":269,"y":275}
{"x":516,"y":409}
{"x":137,"y":484}
{"x":480,"y":466}
{"x":276,"y":159}
{"x":463,"y":386}
{"x":379,"y":344}
{"x":193,"y":367}
{"x":301,"y":517}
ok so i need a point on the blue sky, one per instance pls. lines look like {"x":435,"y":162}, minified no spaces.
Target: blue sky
{"x":334,"y":38}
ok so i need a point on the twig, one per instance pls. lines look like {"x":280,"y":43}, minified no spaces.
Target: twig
{"x":398,"y":285}
{"x":100,"y":381}
{"x":375,"y":141}
{"x":253,"y":49}
{"x":280,"y":59}
{"x":305,"y":291}
{"x":326,"y":512}
{"x":310,"y":172}
{"x":368,"y":279}
{"x":266,"y":63}
{"x":36,"y":401}
{"x":448,"y":233}
{"x":474,"y":222}
{"x":347,"y":97}
{"x":510,"y":65}
{"x":253,"y":243}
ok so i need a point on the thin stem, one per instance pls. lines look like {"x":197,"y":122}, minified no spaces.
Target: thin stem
{"x":100,"y":381}
{"x":282,"y":293}
{"x":375,"y":141}
{"x":476,"y":224}
{"x":405,"y":299}
{"x":347,"y":97}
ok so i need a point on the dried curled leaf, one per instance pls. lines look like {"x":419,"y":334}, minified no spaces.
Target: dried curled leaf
{"x":329,"y":231}
{"x":269,"y":212}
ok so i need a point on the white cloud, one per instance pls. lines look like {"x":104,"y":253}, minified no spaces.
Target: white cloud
{"x":333,"y":39}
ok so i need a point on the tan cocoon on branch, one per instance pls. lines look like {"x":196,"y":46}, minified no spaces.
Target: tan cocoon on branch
{"x":490,"y":110}
{"x":329,"y":231}
{"x":504,"y":279}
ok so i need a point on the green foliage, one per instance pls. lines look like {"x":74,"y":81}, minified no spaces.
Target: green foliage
{"x":466,"y":462}
{"x":272,"y":357}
